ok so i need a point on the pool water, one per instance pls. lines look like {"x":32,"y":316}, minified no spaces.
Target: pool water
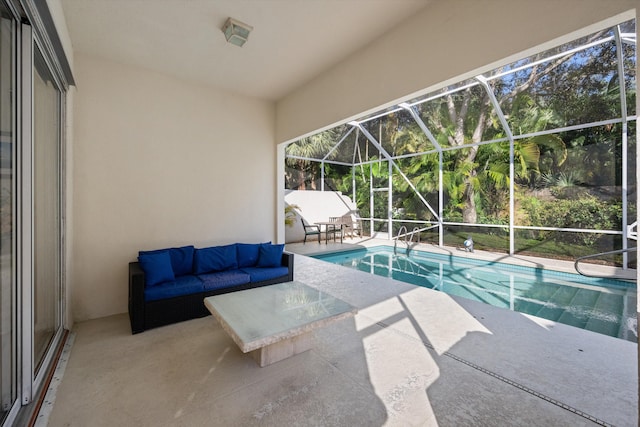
{"x":605,"y":306}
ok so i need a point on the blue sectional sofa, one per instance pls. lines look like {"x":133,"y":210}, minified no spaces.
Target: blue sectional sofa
{"x":168,"y":285}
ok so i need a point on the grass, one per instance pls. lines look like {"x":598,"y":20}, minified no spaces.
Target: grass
{"x":552,"y":248}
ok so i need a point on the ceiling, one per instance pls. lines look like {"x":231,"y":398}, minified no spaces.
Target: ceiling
{"x":293,"y":41}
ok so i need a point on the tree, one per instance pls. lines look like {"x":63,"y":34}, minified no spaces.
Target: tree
{"x":316,"y":147}
{"x":531,"y":99}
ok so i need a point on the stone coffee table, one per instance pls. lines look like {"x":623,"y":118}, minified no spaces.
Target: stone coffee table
{"x":276,"y":321}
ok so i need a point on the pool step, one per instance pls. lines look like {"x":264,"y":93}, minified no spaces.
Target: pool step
{"x":605,"y":318}
{"x":483,"y":281}
{"x":527,"y":307}
{"x":531,"y":298}
{"x":473,"y":292}
{"x":580,"y":308}
{"x":555,"y":306}
{"x":629,"y":326}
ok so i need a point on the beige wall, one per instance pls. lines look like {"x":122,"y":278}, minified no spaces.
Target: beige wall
{"x":160,"y":162}
{"x":446,"y":41}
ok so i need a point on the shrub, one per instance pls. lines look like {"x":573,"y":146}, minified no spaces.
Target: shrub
{"x":588,"y":212}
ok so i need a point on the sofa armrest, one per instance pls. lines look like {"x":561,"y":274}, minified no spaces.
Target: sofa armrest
{"x":136,"y":297}
{"x":287,"y":261}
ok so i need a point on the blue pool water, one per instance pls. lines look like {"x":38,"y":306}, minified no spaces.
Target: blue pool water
{"x":605,"y":306}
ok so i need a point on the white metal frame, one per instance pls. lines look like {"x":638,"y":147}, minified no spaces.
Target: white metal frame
{"x":25,"y":206}
{"x":619,"y":38}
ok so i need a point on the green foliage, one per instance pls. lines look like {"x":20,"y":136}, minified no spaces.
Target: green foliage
{"x":290,"y":214}
{"x":586,"y":212}
{"x":532,"y":207}
{"x":551,"y":143}
{"x":563,"y":180}
{"x":338,"y":178}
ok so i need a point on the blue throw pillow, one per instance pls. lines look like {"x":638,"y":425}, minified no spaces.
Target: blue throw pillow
{"x":181,"y":258}
{"x":247,"y":254}
{"x":157,"y":268}
{"x":270,"y":255}
{"x":215,"y":258}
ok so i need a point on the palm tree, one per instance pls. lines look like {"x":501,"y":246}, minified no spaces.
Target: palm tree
{"x":312,"y":147}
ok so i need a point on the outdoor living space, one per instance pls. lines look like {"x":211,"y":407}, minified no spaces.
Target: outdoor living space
{"x":495,"y":131}
{"x":411,"y":356}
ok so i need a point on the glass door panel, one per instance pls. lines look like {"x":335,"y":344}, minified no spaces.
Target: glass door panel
{"x":46,"y":176}
{"x":8,"y":367}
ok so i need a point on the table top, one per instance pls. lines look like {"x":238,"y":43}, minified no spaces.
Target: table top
{"x":257,"y":317}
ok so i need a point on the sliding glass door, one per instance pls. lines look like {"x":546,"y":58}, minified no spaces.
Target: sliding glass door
{"x":46,"y":210}
{"x":31,"y":200}
{"x":8,"y":355}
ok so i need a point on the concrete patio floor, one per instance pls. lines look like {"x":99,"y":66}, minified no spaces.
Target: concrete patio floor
{"x":411,"y":356}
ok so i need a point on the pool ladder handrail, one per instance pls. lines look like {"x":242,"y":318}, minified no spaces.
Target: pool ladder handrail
{"x":596,"y":276}
{"x":632,"y":234}
{"x":422,"y":271}
{"x":410,"y":243}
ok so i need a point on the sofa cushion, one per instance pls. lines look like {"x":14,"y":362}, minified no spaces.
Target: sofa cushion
{"x":259,"y":274}
{"x":270,"y":255}
{"x":224,"y":279}
{"x":247,"y":254}
{"x":184,"y":285}
{"x":181,"y":258}
{"x":157,"y":268}
{"x":215,"y":258}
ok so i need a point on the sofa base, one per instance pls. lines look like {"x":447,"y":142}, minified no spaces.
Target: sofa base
{"x":186,"y":307}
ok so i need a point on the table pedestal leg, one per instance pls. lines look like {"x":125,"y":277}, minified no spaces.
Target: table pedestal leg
{"x":276,"y":352}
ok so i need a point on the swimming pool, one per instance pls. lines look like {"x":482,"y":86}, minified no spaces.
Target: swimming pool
{"x":605,"y":306}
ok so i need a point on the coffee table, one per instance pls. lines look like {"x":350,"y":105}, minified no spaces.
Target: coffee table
{"x":277,"y":321}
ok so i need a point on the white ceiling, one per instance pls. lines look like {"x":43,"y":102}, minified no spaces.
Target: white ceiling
{"x":293,"y":41}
